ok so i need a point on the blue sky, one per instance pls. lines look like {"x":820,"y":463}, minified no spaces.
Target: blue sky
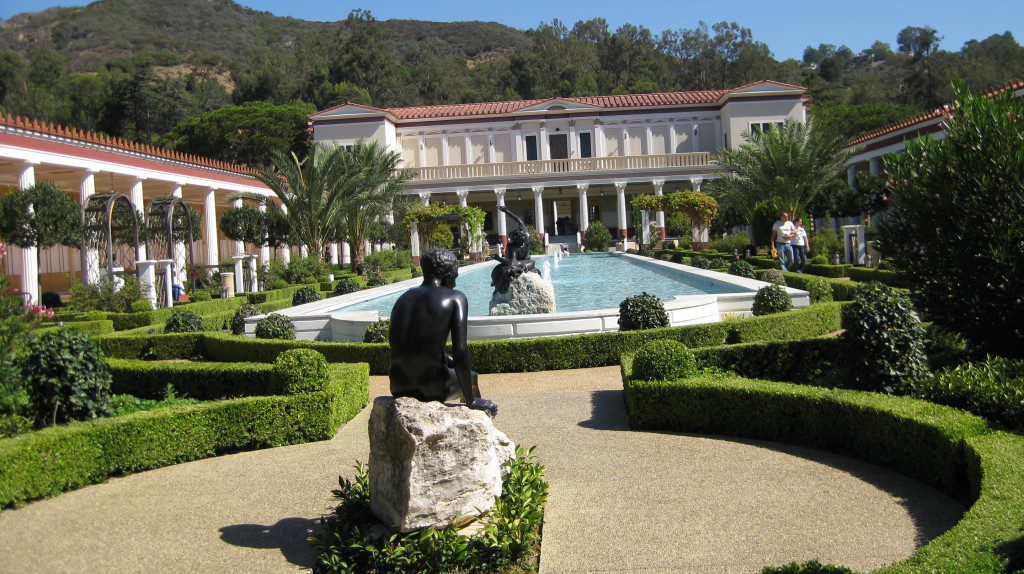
{"x":786,"y":26}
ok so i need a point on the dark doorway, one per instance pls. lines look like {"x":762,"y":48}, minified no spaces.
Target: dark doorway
{"x":559,"y":146}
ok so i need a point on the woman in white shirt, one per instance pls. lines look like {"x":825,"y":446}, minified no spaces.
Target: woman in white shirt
{"x":801,"y":245}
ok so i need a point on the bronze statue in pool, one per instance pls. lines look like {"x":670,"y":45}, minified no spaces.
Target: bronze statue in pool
{"x":422,"y":320}
{"x":517,"y":256}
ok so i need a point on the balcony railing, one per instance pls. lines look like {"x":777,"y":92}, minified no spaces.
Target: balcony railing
{"x":616,"y":163}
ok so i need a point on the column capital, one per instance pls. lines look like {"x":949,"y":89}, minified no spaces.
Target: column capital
{"x":620,"y":187}
{"x":500,"y":192}
{"x":424,"y":196}
{"x":659,"y":186}
{"x":696,"y":182}
{"x":140,"y":179}
{"x":90,"y":171}
{"x":582,"y":188}
{"x":538,"y":190}
{"x":462,"y":193}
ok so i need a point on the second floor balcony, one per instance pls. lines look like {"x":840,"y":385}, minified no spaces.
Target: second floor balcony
{"x":564,"y":166}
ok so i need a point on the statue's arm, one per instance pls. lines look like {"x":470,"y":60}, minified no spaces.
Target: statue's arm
{"x":460,"y":347}
{"x":513,"y":216}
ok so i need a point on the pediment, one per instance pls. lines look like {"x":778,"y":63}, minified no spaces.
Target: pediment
{"x":763,"y":87}
{"x":557,"y":104}
{"x":348,"y":111}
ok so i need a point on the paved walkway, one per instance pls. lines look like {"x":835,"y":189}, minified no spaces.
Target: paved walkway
{"x":621,"y":500}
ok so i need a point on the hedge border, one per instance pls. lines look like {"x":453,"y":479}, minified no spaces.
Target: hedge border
{"x":955,"y":451}
{"x":47,"y":462}
{"x":92,"y":328}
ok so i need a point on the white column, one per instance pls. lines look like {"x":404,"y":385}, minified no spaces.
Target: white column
{"x":303,"y":251}
{"x":239,"y":251}
{"x":648,"y":138}
{"x":538,"y":208}
{"x":672,"y":136}
{"x":148,"y":276}
{"x":624,"y":141}
{"x":696,"y":183}
{"x":517,"y":144}
{"x":499,"y":215}
{"x":445,"y":155}
{"x":29,"y":255}
{"x":584,"y":209}
{"x":210,"y":228}
{"x":264,"y":249}
{"x":346,"y":253}
{"x":851,"y":176}
{"x":698,"y":235}
{"x":490,"y":147}
{"x":334,"y":253}
{"x":286,"y":250}
{"x":90,"y":257}
{"x":180,"y":258}
{"x":620,"y":221}
{"x":545,"y":153}
{"x":875,"y":166}
{"x":463,"y":195}
{"x":554,"y":216}
{"x":599,"y":138}
{"x":468,"y":142}
{"x":696,"y":137}
{"x":573,"y":140}
{"x":659,"y":189}
{"x":421,"y":151}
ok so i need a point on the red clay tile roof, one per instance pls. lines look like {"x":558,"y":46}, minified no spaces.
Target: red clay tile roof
{"x":119,"y":144}
{"x":919,"y":118}
{"x":613,"y":101}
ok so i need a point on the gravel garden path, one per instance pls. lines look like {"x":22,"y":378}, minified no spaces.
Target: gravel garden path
{"x":621,"y":501}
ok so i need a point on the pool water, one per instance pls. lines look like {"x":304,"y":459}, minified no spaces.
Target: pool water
{"x":583,"y":282}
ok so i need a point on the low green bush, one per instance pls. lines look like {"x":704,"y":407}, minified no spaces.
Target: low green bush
{"x":346,"y":285}
{"x":376,"y":280}
{"x":66,"y":377}
{"x":508,"y":542}
{"x":141,"y":306}
{"x":241,"y":314}
{"x":775,"y":277}
{"x":284,"y":293}
{"x":200,"y":295}
{"x":198,"y":380}
{"x":305,"y":295}
{"x":378,"y":331}
{"x":993,"y":388}
{"x":700,"y":262}
{"x":771,"y":299}
{"x":47,"y":462}
{"x":275,"y":326}
{"x":885,"y":339}
{"x":643,"y":311}
{"x":597,"y":238}
{"x":741,"y":268}
{"x":153,"y":347}
{"x":183,"y":321}
{"x":891,"y":278}
{"x":833,"y":271}
{"x":819,"y":289}
{"x":664,"y":359}
{"x":133,"y":320}
{"x":812,"y":567}
{"x":91,"y":328}
{"x":301,"y":371}
{"x":951,"y":450}
{"x":821,"y":361}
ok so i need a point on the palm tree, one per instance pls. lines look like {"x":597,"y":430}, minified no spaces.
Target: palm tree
{"x":366,"y":205}
{"x":790,"y":164}
{"x":311,"y":189}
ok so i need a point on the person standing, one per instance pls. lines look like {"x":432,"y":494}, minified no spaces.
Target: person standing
{"x":801,"y":244}
{"x":782,"y":234}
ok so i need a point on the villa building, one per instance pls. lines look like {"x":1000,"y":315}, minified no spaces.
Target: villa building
{"x":562,"y":163}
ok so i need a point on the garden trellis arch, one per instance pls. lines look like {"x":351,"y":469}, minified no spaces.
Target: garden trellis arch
{"x":110,"y":238}
{"x":170,"y":235}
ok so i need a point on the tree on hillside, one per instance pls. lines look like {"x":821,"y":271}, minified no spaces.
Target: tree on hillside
{"x":790,"y":164}
{"x":247,"y":134}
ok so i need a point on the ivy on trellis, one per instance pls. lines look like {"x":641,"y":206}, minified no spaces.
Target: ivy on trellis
{"x":700,"y":208}
{"x":429,"y":217}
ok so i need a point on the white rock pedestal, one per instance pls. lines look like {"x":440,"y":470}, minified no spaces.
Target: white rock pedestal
{"x":432,"y":464}
{"x":528,"y":294}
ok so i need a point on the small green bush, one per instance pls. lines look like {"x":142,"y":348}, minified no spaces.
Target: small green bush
{"x":198,"y":295}
{"x":886,"y":339}
{"x":775,"y":277}
{"x":183,"y":321}
{"x":771,"y":299}
{"x":376,"y":280}
{"x":241,"y":314}
{"x":993,"y":388}
{"x":301,"y":371}
{"x":346,"y":285}
{"x":597,"y":238}
{"x":819,"y":288}
{"x":275,"y":326}
{"x":663,"y":360}
{"x":66,"y":377}
{"x":812,"y":567}
{"x":818,"y":260}
{"x":377,"y":332}
{"x":700,"y":262}
{"x":741,"y":268}
{"x":305,"y":295}
{"x":141,"y":306}
{"x":305,"y":268}
{"x":643,"y":311}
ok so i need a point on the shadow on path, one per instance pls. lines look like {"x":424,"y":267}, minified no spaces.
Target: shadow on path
{"x":607,"y":411}
{"x":288,"y":534}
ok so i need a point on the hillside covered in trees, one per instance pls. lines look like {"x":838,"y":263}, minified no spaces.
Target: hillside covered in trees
{"x":164,"y":72}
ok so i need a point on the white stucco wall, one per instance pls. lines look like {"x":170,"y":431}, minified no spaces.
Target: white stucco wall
{"x":737,"y":115}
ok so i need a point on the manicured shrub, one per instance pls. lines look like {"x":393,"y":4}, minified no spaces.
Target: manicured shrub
{"x":819,"y":288}
{"x":346,"y":285}
{"x":741,"y":268}
{"x":662,"y":360}
{"x":885,"y":339}
{"x":275,"y":326}
{"x":199,"y":295}
{"x":305,"y":295}
{"x":377,"y":332}
{"x":301,"y":371}
{"x":818,"y":260}
{"x":66,"y":377}
{"x":775,"y":277}
{"x":643,"y":311}
{"x":183,"y":321}
{"x":508,"y":542}
{"x":771,"y":299}
{"x":993,"y":388}
{"x":376,"y":280}
{"x":596,"y":238}
{"x":141,"y":306}
{"x":301,"y":268}
{"x":241,"y":314}
{"x":828,"y":270}
{"x":700,"y":262}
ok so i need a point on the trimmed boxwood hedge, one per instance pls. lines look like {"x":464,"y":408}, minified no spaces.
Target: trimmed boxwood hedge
{"x":833,"y":271}
{"x":168,"y":346}
{"x":195,"y":380}
{"x":944,"y":447}
{"x":891,"y":278}
{"x":550,"y":353}
{"x":842,"y":289}
{"x":93,"y":328}
{"x":47,"y":462}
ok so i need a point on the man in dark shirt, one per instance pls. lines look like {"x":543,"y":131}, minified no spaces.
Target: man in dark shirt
{"x":421,"y":321}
